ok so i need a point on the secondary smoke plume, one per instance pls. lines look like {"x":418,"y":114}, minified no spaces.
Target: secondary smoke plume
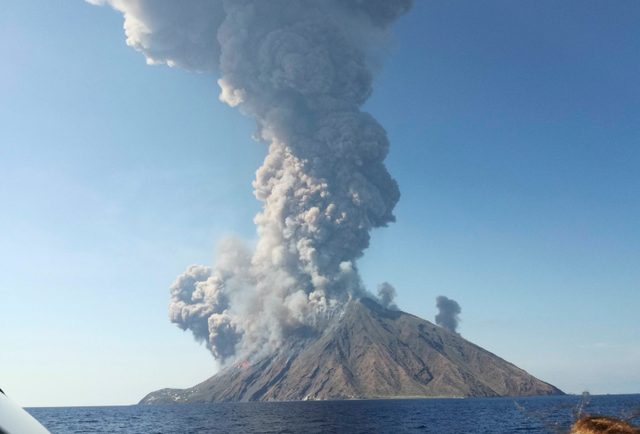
{"x":447,"y":316}
{"x":300,"y":69}
{"x":386,"y":294}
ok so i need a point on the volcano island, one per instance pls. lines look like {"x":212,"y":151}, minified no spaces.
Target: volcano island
{"x":368,"y":353}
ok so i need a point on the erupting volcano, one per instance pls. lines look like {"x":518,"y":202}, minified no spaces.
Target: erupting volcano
{"x":369,"y":352}
{"x":284,"y":320}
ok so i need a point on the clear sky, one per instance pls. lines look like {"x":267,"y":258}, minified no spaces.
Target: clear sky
{"x":515,"y":141}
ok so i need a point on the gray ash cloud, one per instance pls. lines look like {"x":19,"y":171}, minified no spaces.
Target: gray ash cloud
{"x":386,"y":295}
{"x":448,"y":313}
{"x":301,"y":70}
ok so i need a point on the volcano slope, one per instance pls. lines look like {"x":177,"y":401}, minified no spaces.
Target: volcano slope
{"x":369,"y":353}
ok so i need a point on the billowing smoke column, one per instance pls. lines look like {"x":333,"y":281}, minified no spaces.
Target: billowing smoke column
{"x":448,"y":315}
{"x":299,"y":68}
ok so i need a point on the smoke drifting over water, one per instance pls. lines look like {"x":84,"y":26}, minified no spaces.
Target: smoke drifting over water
{"x":448,"y":316}
{"x":299,"y":68}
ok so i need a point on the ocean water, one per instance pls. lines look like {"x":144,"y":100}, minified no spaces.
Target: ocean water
{"x":441,"y":416}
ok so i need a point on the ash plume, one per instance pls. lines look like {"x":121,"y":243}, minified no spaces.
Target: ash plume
{"x":386,"y":294}
{"x":448,"y":313}
{"x":300,"y":68}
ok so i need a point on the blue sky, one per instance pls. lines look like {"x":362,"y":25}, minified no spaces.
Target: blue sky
{"x":515,"y":141}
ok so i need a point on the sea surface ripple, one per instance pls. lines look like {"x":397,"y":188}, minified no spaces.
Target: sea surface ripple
{"x":441,"y":416}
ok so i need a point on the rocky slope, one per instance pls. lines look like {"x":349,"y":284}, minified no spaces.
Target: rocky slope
{"x":370,"y":353}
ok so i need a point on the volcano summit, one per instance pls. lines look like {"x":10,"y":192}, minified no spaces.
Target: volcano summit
{"x":369,"y":353}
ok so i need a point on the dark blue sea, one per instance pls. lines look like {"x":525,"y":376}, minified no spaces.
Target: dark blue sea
{"x":441,"y":416}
